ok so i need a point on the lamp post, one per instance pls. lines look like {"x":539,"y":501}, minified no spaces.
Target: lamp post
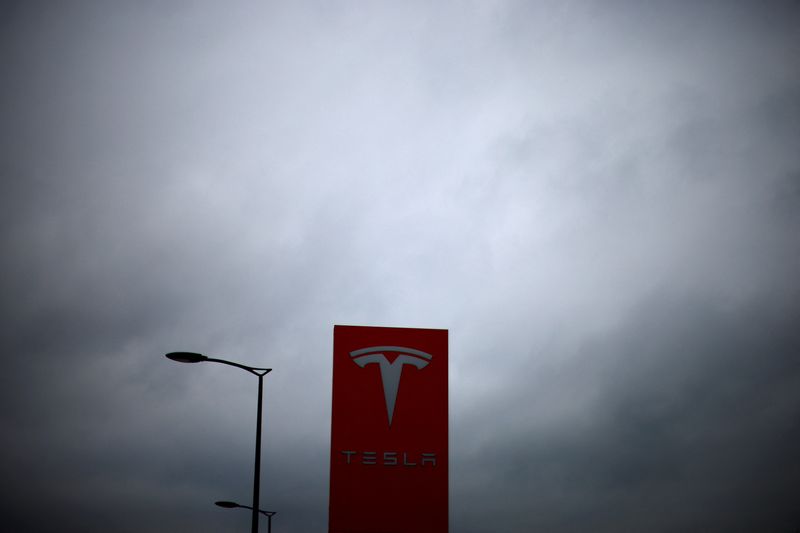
{"x":233,"y":505}
{"x":191,"y":357}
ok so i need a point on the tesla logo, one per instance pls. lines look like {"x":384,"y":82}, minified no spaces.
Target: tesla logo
{"x":390,"y":371}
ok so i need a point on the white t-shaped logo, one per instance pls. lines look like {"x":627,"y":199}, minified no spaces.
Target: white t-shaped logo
{"x":390,"y":372}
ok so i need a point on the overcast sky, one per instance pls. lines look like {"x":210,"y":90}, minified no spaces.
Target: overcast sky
{"x":599,"y":200}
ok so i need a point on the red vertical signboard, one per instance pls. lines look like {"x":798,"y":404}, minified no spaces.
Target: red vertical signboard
{"x":389,"y":431}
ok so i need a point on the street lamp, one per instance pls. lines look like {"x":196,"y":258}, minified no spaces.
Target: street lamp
{"x":191,"y":357}
{"x":233,"y":505}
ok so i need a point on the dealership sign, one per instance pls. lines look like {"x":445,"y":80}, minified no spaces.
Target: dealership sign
{"x":389,"y":431}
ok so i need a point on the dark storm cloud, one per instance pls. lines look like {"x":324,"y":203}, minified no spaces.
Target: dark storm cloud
{"x":687,"y":418}
{"x":599,"y":201}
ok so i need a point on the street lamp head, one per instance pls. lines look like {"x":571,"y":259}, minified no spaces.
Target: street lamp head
{"x":186,"y":357}
{"x":227,"y":505}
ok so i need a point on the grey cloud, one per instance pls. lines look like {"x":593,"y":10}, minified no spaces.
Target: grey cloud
{"x":599,"y":202}
{"x":688,"y":416}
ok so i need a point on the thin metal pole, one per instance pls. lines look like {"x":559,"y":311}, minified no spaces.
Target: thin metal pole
{"x":257,"y":474}
{"x":269,"y":523}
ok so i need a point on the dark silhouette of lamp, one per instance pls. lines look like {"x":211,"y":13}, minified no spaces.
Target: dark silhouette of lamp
{"x":234,"y":505}
{"x":191,"y":357}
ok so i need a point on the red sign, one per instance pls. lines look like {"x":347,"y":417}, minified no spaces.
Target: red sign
{"x":389,"y":431}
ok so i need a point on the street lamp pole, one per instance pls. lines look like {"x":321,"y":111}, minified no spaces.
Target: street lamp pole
{"x":191,"y":357}
{"x":257,"y":473}
{"x":232,"y":505}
